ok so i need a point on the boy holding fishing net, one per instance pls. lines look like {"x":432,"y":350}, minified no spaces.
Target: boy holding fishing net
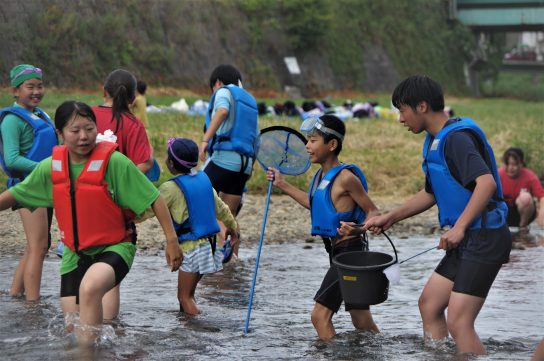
{"x":337,"y":200}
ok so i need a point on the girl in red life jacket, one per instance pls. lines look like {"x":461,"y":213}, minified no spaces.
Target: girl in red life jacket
{"x":27,"y":137}
{"x":95,"y":258}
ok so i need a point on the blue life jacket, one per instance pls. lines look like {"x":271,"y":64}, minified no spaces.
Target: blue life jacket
{"x":198,"y":193}
{"x":45,"y":138}
{"x":451,"y":197}
{"x":242,"y":138}
{"x":325,"y":218}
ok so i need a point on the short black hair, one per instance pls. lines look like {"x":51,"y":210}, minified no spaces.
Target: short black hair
{"x":69,"y":109}
{"x":141,"y":87}
{"x":227,"y":73}
{"x":515,"y":153}
{"x":334,"y":123}
{"x":416,"y":89}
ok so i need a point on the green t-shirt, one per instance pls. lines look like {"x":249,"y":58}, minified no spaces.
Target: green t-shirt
{"x":128,"y":186}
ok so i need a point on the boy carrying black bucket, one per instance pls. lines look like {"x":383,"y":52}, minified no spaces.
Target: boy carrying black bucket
{"x":337,"y":200}
{"x":462,"y":180}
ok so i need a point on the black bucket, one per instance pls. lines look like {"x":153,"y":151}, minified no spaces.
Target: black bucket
{"x":361,"y":276}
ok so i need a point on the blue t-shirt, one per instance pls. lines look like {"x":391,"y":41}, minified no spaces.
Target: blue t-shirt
{"x":226,"y":158}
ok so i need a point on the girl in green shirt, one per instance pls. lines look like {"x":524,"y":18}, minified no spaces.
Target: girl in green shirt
{"x":87,"y":275}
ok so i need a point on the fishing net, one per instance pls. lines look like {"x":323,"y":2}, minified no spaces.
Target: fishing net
{"x":284,"y":149}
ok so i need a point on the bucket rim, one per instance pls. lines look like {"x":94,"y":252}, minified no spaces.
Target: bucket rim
{"x":363,"y":268}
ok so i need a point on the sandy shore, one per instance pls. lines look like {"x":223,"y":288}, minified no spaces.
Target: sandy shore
{"x":286,"y":221}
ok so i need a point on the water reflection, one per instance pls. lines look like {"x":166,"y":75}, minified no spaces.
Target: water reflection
{"x":151,"y":328}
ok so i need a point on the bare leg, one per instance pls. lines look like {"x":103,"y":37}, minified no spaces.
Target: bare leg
{"x":233,"y":201}
{"x":28,"y":274}
{"x":322,"y":321}
{"x":362,"y":320}
{"x":187,"y":282}
{"x":526,"y":208}
{"x":111,"y":302}
{"x":539,"y":352}
{"x":97,"y":281}
{"x":68,"y":305}
{"x":432,"y":303}
{"x":462,"y":312}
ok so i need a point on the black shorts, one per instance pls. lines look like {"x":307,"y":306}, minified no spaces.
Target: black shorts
{"x":226,"y":181}
{"x":468,"y":277}
{"x":513,"y":217}
{"x":329,"y":294}
{"x":69,"y":282}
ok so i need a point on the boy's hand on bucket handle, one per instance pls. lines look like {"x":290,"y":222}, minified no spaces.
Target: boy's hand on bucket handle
{"x":349,"y":229}
{"x":378,"y":224}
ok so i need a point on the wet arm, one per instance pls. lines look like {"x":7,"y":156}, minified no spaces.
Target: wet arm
{"x":173,"y":253}
{"x":484,"y":190}
{"x":300,"y":196}
{"x":353,"y":186}
{"x":419,"y":203}
{"x":218,"y":119}
{"x":540,"y":214}
{"x":145,"y":166}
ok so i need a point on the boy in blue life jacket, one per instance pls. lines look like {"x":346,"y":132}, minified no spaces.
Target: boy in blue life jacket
{"x":462,"y":180}
{"x":337,"y":200}
{"x":230,"y":136}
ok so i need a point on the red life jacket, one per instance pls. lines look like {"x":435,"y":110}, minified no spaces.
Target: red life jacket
{"x":85,"y":211}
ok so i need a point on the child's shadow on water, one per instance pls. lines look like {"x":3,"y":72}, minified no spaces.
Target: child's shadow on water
{"x":197,"y":323}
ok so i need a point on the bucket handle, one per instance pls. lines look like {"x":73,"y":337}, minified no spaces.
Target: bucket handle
{"x":392,"y":245}
{"x":389,"y":239}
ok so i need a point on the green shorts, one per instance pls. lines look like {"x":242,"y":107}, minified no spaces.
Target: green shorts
{"x":70,"y":259}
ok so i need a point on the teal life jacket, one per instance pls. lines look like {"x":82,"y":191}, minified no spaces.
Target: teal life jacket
{"x":325,"y":218}
{"x":242,"y":138}
{"x":45,"y":138}
{"x":451,"y":197}
{"x":198,"y":193}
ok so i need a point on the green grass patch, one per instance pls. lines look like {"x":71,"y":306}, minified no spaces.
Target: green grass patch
{"x":389,"y":155}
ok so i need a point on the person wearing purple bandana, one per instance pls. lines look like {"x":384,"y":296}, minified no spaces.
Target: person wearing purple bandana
{"x":195,"y":208}
{"x":27,"y":135}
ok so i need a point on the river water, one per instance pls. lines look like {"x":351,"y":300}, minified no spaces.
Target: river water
{"x":150,"y":327}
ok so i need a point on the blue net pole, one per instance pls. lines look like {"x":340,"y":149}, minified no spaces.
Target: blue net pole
{"x":250,"y":302}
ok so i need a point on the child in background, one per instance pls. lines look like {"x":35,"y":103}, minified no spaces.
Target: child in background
{"x":114,"y":114}
{"x":337,"y":200}
{"x":27,"y":136}
{"x":522,"y":191}
{"x":109,"y":190}
{"x":138,"y":107}
{"x":194,"y":208}
{"x":230,"y":136}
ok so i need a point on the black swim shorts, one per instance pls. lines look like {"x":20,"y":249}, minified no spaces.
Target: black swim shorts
{"x":513,"y":217}
{"x":69,"y":282}
{"x":226,"y":181}
{"x":329,"y":294}
{"x":468,"y":277}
